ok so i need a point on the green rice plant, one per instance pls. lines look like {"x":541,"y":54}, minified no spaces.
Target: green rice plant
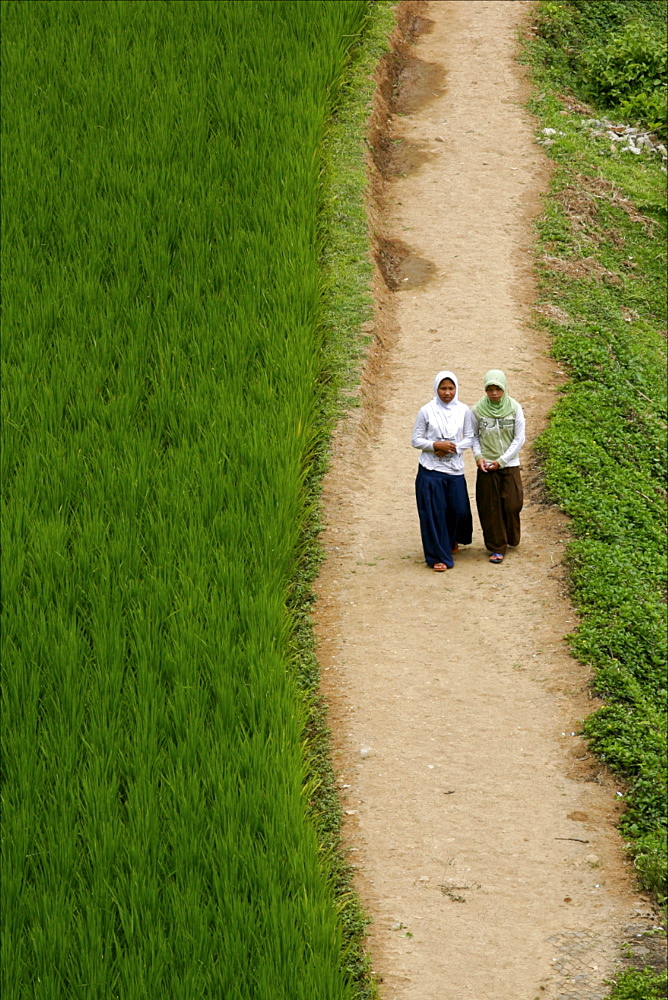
{"x":162,"y":353}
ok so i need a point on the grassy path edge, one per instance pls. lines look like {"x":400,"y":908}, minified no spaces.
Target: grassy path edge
{"x":347,"y":270}
{"x":601,"y":302}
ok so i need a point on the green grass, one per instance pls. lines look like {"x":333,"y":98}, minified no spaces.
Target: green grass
{"x":347,"y":270}
{"x":603,"y":301}
{"x":640,"y":984}
{"x":165,"y":345}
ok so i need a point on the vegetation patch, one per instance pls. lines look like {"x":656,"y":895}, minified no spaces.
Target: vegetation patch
{"x":175,"y":341}
{"x":603,"y":301}
{"x":347,"y":270}
{"x":639,"y":984}
{"x":611,"y":52}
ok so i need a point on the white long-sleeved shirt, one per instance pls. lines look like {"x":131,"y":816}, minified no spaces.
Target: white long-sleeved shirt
{"x":426,"y":432}
{"x":511,"y":455}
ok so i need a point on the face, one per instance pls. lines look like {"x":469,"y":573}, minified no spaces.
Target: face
{"x":446,"y":390}
{"x":494,"y":393}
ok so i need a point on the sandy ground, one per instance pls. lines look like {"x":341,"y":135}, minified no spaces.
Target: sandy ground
{"x":483,"y":831}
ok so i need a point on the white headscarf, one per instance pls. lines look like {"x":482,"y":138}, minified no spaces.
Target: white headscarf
{"x":445,"y":415}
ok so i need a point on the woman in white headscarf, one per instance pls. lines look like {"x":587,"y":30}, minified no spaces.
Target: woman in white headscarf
{"x":443,"y":431}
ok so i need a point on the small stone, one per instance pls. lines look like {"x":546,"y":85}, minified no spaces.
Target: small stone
{"x":549,"y":131}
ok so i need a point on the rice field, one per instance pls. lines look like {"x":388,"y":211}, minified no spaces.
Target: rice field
{"x":162,"y":356}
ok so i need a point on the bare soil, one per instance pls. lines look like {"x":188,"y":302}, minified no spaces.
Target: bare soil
{"x":482,"y":829}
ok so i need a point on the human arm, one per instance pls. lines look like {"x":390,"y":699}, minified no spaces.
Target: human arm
{"x":466,"y":440}
{"x":475,"y":443}
{"x":421,"y":440}
{"x":519,"y":438}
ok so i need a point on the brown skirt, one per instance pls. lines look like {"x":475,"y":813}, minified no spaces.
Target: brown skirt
{"x":499,"y":497}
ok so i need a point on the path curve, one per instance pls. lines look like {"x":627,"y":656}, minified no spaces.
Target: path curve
{"x":482,"y":830}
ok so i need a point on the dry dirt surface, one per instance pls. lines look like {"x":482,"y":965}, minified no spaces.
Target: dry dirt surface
{"x":482,"y":830}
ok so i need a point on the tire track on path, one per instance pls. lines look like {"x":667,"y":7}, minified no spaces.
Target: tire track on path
{"x":482,"y":831}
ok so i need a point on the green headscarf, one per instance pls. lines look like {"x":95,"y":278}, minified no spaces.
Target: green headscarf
{"x":506,"y":405}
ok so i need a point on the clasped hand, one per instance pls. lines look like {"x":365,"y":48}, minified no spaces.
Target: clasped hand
{"x":443,"y":448}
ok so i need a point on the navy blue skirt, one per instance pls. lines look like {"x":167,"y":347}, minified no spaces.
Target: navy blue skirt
{"x":445,"y":514}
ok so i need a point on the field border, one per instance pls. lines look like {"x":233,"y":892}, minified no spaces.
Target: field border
{"x":347,"y":269}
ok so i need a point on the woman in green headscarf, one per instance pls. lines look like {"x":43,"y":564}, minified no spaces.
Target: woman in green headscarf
{"x":498,"y":435}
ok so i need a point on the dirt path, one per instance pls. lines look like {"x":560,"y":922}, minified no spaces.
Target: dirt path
{"x":483,"y":831}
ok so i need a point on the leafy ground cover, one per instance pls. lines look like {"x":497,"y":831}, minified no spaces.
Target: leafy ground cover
{"x":639,"y":984}
{"x":169,"y":373}
{"x":603,"y":301}
{"x":612,"y":52}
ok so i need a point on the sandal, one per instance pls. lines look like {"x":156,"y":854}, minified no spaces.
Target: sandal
{"x":439,"y":567}
{"x":456,"y":549}
{"x":496,"y":558}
